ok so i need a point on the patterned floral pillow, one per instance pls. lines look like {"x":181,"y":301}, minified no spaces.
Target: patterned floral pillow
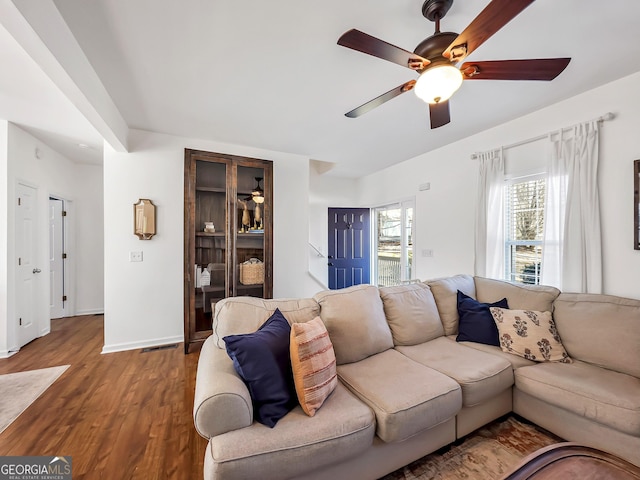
{"x":529,"y":334}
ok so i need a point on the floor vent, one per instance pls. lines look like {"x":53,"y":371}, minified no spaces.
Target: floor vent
{"x":160,"y":347}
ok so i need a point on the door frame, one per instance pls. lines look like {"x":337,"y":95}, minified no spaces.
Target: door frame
{"x":72,"y":254}
{"x":63,"y":261}
{"x":403,"y":205}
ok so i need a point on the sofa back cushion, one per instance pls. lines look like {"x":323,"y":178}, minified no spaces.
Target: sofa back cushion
{"x":519,"y":296}
{"x":355,"y":320}
{"x":445,"y":292}
{"x":412,"y":313}
{"x":600,"y":329}
{"x":240,"y":315}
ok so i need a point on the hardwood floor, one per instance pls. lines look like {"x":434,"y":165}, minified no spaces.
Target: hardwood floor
{"x":123,"y":415}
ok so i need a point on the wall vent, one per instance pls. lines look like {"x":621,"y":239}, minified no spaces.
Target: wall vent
{"x":160,"y":347}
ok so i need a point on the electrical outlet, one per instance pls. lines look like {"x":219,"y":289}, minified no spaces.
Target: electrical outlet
{"x":135,"y":256}
{"x":424,"y":186}
{"x":427,"y":252}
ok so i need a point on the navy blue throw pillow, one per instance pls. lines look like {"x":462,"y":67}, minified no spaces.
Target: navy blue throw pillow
{"x":262,"y":360}
{"x":476,"y":322}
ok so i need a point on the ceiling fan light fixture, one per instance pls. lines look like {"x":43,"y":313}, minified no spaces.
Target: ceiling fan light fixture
{"x":438,"y":83}
{"x":258,"y":194}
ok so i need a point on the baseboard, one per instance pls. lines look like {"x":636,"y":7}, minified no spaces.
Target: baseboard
{"x":122,"y":347}
{"x":89,"y":311}
{"x":7,"y":353}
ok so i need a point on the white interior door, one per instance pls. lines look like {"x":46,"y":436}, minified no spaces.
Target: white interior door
{"x":27,"y":270}
{"x":56,"y":262}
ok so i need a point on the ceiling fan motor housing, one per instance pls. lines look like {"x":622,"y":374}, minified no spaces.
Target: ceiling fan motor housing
{"x":436,"y":9}
{"x":431,"y":48}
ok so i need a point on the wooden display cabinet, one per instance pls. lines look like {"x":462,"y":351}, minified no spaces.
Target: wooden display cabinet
{"x":228,"y":211}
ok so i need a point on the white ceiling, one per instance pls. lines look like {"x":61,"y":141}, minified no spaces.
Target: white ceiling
{"x":31,"y":100}
{"x":270,"y":74}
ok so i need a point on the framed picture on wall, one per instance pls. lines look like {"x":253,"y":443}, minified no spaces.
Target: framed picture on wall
{"x":636,"y":204}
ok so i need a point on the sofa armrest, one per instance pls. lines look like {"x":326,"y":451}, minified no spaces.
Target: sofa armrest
{"x":222,"y":402}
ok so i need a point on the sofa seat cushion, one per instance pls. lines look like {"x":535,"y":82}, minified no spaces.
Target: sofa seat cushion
{"x":406,"y":397}
{"x":481,"y":375}
{"x":604,"y":396}
{"x":515,"y":360}
{"x":343,"y":428}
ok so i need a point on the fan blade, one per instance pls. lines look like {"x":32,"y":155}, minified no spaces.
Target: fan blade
{"x":376,"y":102}
{"x":534,"y":69}
{"x":439,"y":114}
{"x":495,"y":16}
{"x":362,"y":42}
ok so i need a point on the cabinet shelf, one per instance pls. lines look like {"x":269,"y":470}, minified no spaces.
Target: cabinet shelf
{"x":211,"y":189}
{"x":209,"y":234}
{"x":210,"y":289}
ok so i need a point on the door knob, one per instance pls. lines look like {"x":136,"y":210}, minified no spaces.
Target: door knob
{"x":36,"y":270}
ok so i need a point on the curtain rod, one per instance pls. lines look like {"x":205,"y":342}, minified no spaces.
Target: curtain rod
{"x":602,"y":118}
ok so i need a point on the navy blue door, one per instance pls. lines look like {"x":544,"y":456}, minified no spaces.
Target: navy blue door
{"x":349,"y":257}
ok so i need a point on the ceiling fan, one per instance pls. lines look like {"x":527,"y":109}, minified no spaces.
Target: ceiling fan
{"x":436,"y":56}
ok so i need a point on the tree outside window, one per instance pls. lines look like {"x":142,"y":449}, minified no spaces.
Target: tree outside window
{"x":524,"y":222}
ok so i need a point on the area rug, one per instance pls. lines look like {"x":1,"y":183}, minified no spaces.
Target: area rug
{"x":487,"y":454}
{"x":19,"y":390}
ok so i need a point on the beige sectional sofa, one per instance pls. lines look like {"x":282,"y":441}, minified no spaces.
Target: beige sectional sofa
{"x":407,"y":388}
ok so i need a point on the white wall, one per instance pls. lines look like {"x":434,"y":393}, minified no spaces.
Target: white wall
{"x":89,"y":241}
{"x":52,"y":174}
{"x":445,"y":213}
{"x":4,"y":232}
{"x":325,"y":192}
{"x":144,"y":301}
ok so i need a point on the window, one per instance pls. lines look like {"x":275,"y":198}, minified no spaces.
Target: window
{"x":394,"y":243}
{"x":524,"y":224}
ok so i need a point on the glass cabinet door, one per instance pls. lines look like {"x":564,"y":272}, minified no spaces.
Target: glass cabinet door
{"x":249,"y":255}
{"x":210,"y":269}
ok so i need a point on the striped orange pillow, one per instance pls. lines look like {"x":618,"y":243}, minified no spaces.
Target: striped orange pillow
{"x":314,"y":364}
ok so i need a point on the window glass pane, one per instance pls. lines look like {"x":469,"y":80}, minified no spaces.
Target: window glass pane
{"x":527,"y":210}
{"x":524,"y":224}
{"x":408,"y":242}
{"x":525,"y":263}
{"x":389,"y":249}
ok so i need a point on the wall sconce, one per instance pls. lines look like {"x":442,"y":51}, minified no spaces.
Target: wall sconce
{"x":144,"y":219}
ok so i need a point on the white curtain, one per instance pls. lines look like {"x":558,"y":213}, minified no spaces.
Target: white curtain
{"x":572,"y":247}
{"x":489,"y":245}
